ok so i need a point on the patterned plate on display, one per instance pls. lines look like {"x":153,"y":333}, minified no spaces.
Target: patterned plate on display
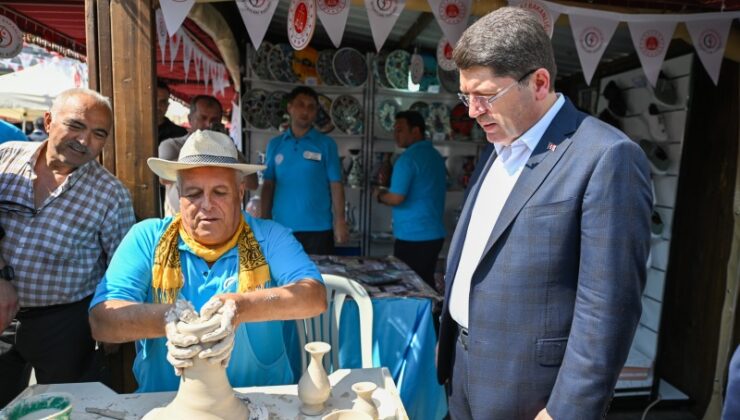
{"x":423,"y":109}
{"x":350,"y":67}
{"x":276,"y":108}
{"x":387,"y":111}
{"x":253,"y":108}
{"x":379,"y":69}
{"x":450,"y":80}
{"x":346,"y":113}
{"x":397,"y":69}
{"x":304,"y":65}
{"x":259,"y":61}
{"x":438,"y":121}
{"x":323,"y":121}
{"x":325,"y":68}
{"x":460,"y":122}
{"x":280,"y":62}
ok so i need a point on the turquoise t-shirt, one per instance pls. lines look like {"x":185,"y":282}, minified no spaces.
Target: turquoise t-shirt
{"x":9,"y":132}
{"x":302,"y":170}
{"x":259,"y":356}
{"x":419,"y":175}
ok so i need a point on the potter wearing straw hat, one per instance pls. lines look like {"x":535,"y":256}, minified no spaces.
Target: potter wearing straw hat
{"x":216,"y":257}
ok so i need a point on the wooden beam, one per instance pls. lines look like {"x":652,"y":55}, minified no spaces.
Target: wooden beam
{"x":421,"y":23}
{"x":91,"y":41}
{"x":134,"y":79}
{"x":105,"y":74}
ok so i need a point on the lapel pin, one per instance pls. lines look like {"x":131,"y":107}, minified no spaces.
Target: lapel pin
{"x":551,"y":146}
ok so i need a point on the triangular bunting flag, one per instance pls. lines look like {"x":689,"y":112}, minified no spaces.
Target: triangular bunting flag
{"x":175,"y":12}
{"x":452,"y":17}
{"x":592,"y":36}
{"x":710,"y":41}
{"x":174,"y":47}
{"x":651,"y":41}
{"x":382,"y":16}
{"x":546,"y":16}
{"x":333,"y":15}
{"x":235,"y":131}
{"x":187,"y":55}
{"x":256,"y":16}
{"x":161,"y":33}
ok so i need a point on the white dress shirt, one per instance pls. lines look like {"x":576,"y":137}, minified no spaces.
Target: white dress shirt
{"x":494,"y":191}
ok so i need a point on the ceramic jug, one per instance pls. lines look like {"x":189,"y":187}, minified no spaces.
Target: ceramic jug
{"x":364,"y":401}
{"x":314,"y":387}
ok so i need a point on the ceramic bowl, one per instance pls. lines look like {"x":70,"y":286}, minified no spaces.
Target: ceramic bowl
{"x":49,"y":406}
{"x":347,"y":415}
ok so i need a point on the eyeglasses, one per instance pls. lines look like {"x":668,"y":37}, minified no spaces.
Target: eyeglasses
{"x":487,"y":101}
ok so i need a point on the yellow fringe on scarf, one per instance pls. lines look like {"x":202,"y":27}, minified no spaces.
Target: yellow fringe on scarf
{"x":167,"y":279}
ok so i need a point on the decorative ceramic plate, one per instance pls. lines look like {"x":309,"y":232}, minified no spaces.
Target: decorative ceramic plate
{"x":301,"y":22}
{"x":253,"y":108}
{"x":387,"y":111}
{"x":323,"y":121}
{"x":325,"y":68}
{"x":346,"y":113}
{"x":304,"y":65}
{"x":444,"y":55}
{"x":460,"y":122}
{"x":450,"y":80}
{"x":423,"y":109}
{"x":379,"y":69}
{"x":429,"y":77}
{"x":350,"y":67}
{"x":416,"y":68}
{"x":259,"y":61}
{"x":280,"y":63}
{"x":276,"y":108}
{"x":438,"y":121}
{"x":397,"y":69}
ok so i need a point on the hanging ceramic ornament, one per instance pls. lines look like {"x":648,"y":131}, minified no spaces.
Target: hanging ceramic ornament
{"x":416,"y":67}
{"x":444,"y":55}
{"x":301,"y":22}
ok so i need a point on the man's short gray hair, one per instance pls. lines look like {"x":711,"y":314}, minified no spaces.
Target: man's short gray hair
{"x":62,"y":98}
{"x":510,"y":41}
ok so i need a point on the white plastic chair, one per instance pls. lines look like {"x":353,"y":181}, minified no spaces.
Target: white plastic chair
{"x":325,"y":327}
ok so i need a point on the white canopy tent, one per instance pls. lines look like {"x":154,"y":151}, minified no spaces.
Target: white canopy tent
{"x":28,"y":93}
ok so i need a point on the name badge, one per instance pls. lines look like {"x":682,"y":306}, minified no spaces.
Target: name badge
{"x":312,"y":155}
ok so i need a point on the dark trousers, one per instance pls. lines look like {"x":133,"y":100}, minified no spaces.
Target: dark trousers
{"x":458,"y":402}
{"x":317,"y":243}
{"x":55,"y":341}
{"x":421,"y":256}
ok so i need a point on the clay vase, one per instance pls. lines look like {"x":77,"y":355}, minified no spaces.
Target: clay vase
{"x":314,"y":387}
{"x":205,"y":392}
{"x":364,"y":401}
{"x":355,"y":177}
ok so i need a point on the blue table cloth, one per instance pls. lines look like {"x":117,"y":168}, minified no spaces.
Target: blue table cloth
{"x":403,"y":341}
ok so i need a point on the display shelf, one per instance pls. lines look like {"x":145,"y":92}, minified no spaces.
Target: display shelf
{"x":330,"y":89}
{"x":273,"y":132}
{"x":441,"y":96}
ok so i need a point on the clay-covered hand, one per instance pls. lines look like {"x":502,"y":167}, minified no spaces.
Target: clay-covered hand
{"x":223,"y":336}
{"x":181,"y":348}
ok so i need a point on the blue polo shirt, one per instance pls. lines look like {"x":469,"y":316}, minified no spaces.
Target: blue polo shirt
{"x":302,"y":170}
{"x":9,"y":132}
{"x":419,"y":175}
{"x":259,"y":356}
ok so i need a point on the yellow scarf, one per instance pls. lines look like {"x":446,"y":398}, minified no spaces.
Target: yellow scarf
{"x":167,"y":279}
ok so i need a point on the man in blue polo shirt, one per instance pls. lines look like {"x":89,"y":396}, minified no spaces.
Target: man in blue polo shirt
{"x":417,"y":194}
{"x":9,"y":132}
{"x":303,"y":182}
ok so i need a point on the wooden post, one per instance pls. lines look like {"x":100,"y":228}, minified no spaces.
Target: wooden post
{"x":132,"y":50}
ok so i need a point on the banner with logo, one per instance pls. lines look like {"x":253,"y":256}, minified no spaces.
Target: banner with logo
{"x":444,"y":55}
{"x":161,"y":33}
{"x":175,"y":12}
{"x":382,"y":15}
{"x":256,"y":15}
{"x":301,"y":22}
{"x":452,"y":17}
{"x":542,"y":10}
{"x":651,"y":41}
{"x":710,"y":40}
{"x":11,"y":38}
{"x":592,"y":36}
{"x":333,"y":15}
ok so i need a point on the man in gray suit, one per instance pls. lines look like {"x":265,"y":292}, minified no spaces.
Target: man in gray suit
{"x":547,"y":264}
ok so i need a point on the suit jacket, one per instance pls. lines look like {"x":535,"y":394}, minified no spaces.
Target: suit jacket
{"x":555,"y":298}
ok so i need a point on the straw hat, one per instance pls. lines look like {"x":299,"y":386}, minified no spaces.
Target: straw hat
{"x":203,"y":148}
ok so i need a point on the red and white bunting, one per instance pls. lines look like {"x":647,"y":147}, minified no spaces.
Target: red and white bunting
{"x":651,"y":41}
{"x":710,"y":41}
{"x":592,"y":36}
{"x":175,"y":12}
{"x":161,"y":33}
{"x":333,"y":15}
{"x":452,"y":17}
{"x":382,"y":15}
{"x":174,"y":46}
{"x":187,"y":55}
{"x":256,"y":15}
{"x":301,"y":22}
{"x":444,"y":55}
{"x":235,"y":131}
{"x":11,"y":38}
{"x":544,"y":13}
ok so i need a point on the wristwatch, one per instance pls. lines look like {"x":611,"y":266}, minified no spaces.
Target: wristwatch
{"x":7,"y":273}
